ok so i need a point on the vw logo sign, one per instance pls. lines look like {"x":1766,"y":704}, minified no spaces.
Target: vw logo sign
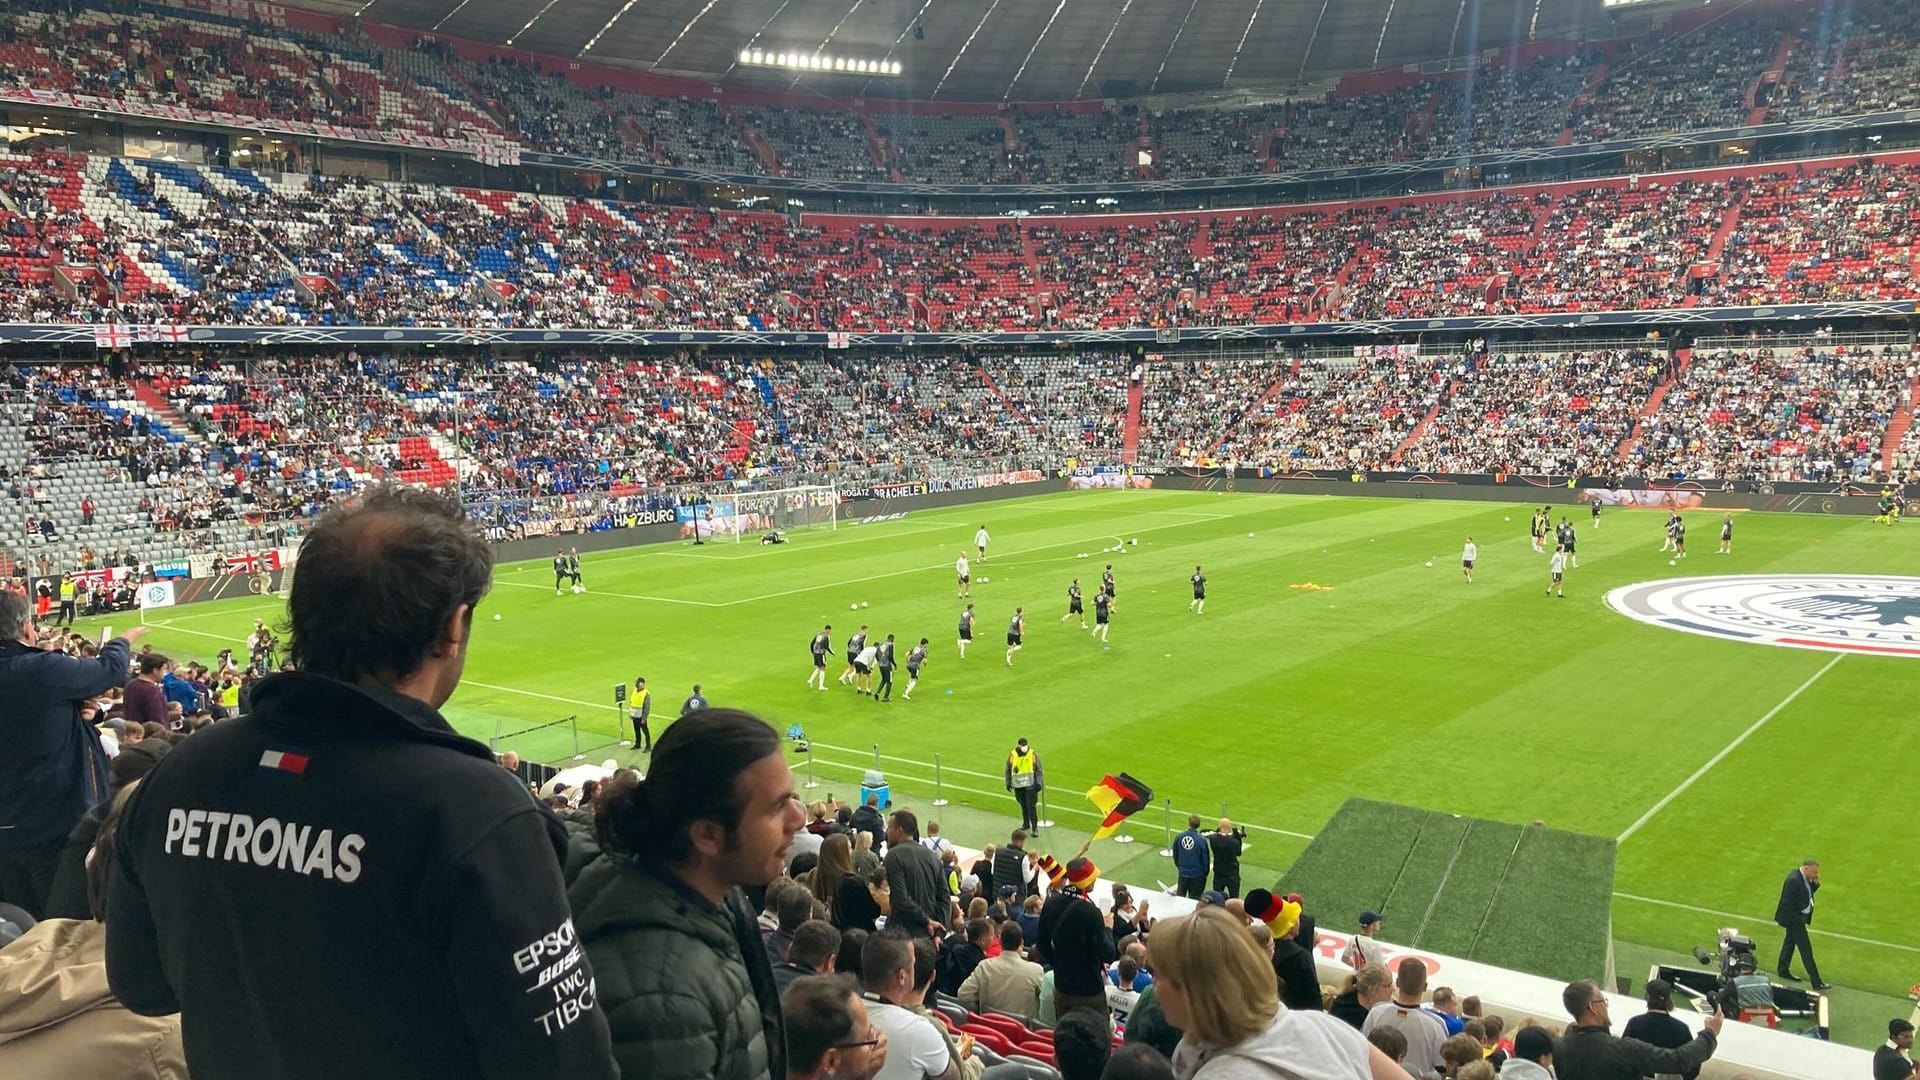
{"x":1858,"y":613}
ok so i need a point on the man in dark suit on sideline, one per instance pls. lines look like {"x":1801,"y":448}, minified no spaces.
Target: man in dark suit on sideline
{"x":1794,"y":914}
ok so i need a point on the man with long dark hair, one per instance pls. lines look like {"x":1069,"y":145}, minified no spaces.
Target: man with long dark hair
{"x":662,"y":909}
{"x":336,"y":884}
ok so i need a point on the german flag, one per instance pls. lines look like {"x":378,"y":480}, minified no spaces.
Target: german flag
{"x":1118,"y":797}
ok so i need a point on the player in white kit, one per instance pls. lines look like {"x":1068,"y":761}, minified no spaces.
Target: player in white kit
{"x":980,"y":541}
{"x":1467,"y":556}
{"x":964,"y":572}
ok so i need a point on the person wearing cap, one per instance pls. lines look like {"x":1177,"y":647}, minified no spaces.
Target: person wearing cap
{"x":1591,"y":1051}
{"x":1075,"y":938}
{"x":1658,"y":1026}
{"x":1213,"y":898}
{"x":1532,"y":1055}
{"x":1226,"y":843}
{"x":1011,"y":870}
{"x":1361,"y":948}
{"x":1025,"y":778}
{"x":1890,"y":1060}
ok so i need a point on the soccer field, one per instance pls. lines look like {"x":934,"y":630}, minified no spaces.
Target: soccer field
{"x":1717,"y":763}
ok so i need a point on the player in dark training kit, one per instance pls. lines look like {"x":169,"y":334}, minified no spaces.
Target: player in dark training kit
{"x":1074,"y":606}
{"x":1679,"y":537}
{"x":884,"y":692}
{"x":1016,"y":627}
{"x":915,"y":661}
{"x":573,"y":569}
{"x":854,"y":644}
{"x":1198,"y":605}
{"x":560,"y":572}
{"x":966,"y":630}
{"x":1726,"y":535}
{"x":1596,"y":513}
{"x":821,"y":648}
{"x":1106,"y":581}
{"x":1102,"y":610}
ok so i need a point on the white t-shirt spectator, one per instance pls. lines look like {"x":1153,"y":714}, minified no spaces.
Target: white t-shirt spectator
{"x":1423,"y":1030}
{"x":915,"y":1048}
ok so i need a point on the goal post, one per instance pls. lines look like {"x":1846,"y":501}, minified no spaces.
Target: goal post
{"x":804,"y":506}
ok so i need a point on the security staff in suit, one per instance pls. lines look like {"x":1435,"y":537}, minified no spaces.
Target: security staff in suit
{"x":1794,"y":914}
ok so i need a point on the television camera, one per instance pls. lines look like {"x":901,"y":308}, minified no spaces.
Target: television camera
{"x":1733,"y":982}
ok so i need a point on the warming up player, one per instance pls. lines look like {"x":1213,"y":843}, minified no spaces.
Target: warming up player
{"x":1726,"y":535}
{"x":863,"y":665}
{"x":560,"y":573}
{"x":1074,"y":605}
{"x":1568,"y":540}
{"x":980,"y":541}
{"x":1557,"y":566}
{"x":966,"y":630}
{"x":821,"y":648}
{"x":1198,"y":605}
{"x":1468,"y":555}
{"x":854,"y":644}
{"x":915,"y":659}
{"x":1106,"y":581}
{"x":1673,"y":520}
{"x":1595,"y":504}
{"x":573,"y":569}
{"x":964,"y":572}
{"x":1016,"y":627}
{"x":1539,"y":531}
{"x":1102,"y":611}
{"x":1679,"y":537}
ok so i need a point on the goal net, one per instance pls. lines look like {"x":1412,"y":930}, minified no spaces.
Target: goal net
{"x":807,"y":506}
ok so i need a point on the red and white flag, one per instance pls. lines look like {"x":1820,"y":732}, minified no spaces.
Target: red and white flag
{"x":112,"y":337}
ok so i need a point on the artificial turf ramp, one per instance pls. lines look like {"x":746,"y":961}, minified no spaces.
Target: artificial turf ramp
{"x":1524,"y":897}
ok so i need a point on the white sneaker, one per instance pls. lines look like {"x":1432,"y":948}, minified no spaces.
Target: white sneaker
{"x":626,"y":742}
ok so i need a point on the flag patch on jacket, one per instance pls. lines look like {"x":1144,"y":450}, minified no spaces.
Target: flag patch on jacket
{"x":286,"y":761}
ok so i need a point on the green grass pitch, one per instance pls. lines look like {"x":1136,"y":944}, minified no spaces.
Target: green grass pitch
{"x":1402,"y":684}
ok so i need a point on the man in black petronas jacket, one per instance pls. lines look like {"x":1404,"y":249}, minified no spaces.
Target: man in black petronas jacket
{"x":685,"y":980}
{"x":1075,"y":939}
{"x":1590,"y":1051}
{"x":337,"y":884}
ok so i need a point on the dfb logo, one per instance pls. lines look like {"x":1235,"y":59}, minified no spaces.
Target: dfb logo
{"x":1863,"y":613}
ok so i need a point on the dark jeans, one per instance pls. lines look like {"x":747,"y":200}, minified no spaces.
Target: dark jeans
{"x":1227,"y":884}
{"x":1029,"y":799}
{"x":1192,"y":887}
{"x":1797,"y":939}
{"x":26,"y":876}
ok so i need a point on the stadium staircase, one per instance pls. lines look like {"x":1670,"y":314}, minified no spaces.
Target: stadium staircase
{"x":1144,"y":140}
{"x":1652,"y":407}
{"x":1420,"y":429}
{"x":1006,"y":402}
{"x":1010,"y":143}
{"x":1898,"y":424}
{"x":1728,"y":222}
{"x":1265,"y":150}
{"x":1585,"y":95}
{"x":768,"y":155}
{"x":1756,"y":112}
{"x":1136,"y":395}
{"x":1272,"y":391}
{"x":880,"y":151}
{"x":157,"y":407}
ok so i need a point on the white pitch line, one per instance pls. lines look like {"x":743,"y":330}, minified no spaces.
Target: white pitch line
{"x":618,"y":595}
{"x":1728,"y":749}
{"x":1758,"y":921}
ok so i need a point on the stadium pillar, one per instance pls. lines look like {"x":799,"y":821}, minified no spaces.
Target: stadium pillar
{"x":1043,"y":821}
{"x":939,"y":798}
{"x":811,"y":782}
{"x":1167,"y":828}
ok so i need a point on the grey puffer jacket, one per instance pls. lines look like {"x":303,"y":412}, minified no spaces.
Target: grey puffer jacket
{"x":683,"y":998}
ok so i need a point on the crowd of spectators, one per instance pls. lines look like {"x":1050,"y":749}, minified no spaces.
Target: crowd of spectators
{"x":1812,"y":413}
{"x":1855,"y":61}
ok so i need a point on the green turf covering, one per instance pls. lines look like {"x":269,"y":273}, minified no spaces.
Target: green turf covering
{"x":1403,"y":683}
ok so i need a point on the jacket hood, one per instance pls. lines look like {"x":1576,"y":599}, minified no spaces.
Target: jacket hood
{"x":1296,"y":1046}
{"x":52,"y":973}
{"x":1522,"y":1069}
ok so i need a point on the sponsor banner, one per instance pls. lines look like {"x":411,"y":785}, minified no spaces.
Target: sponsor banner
{"x":899,"y":490}
{"x":660,"y":515}
{"x":172,"y":568}
{"x":1001,"y":479}
{"x":1861,"y":613}
{"x":1109,"y":480}
{"x":1644,"y":498}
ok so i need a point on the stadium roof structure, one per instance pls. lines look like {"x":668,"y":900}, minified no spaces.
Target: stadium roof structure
{"x":1007,"y":50}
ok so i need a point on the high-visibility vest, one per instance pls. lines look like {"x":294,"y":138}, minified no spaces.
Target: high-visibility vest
{"x":1022,"y":768}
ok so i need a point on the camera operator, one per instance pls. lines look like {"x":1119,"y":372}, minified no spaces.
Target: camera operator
{"x":1226,"y":842}
{"x":54,"y":766}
